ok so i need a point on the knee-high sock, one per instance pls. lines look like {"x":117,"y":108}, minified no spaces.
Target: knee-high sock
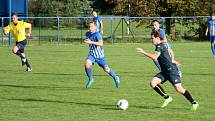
{"x":158,"y":65}
{"x":189,"y":97}
{"x":160,"y":91}
{"x":27,"y":63}
{"x":89,"y":73}
{"x":112,"y":74}
{"x":213,"y":49}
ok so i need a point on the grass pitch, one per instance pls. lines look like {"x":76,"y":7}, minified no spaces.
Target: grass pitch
{"x":55,"y":89}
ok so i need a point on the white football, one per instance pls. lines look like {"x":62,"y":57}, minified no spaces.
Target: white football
{"x":122,"y":104}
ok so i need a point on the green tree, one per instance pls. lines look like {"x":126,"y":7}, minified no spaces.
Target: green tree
{"x":48,"y":8}
{"x":58,"y":7}
{"x":164,"y":8}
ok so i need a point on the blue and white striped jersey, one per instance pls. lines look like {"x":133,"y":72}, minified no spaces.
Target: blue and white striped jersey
{"x":211,"y":24}
{"x":96,"y":51}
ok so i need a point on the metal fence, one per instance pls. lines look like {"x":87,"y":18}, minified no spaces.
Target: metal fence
{"x":66,"y":30}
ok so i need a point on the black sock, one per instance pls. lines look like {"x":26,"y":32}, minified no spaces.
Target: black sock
{"x":160,"y":91}
{"x":161,"y":88}
{"x":27,"y":63}
{"x":189,"y":97}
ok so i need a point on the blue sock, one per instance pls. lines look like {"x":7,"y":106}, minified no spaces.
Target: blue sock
{"x":214,"y":50}
{"x":111,"y":73}
{"x":157,"y":64}
{"x":89,"y":73}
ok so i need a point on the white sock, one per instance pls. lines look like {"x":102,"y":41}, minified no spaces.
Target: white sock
{"x":24,"y":60}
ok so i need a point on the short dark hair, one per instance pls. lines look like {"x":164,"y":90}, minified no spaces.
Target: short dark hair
{"x":92,"y":22}
{"x":155,"y":20}
{"x":93,"y":11}
{"x":15,"y":14}
{"x":212,"y":14}
{"x":156,"y":34}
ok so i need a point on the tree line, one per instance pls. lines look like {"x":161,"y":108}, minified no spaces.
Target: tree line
{"x":136,"y":8}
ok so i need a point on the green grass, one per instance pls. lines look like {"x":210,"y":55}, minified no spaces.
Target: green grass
{"x":55,"y":89}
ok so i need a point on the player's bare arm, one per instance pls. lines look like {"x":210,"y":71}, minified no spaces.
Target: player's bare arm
{"x":206,"y":33}
{"x":29,"y":31}
{"x":153,"y":56}
{"x":99,"y":43}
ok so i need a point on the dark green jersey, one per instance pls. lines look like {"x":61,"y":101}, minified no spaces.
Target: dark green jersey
{"x":164,"y":59}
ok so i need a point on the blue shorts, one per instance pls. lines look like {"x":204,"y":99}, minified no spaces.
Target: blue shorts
{"x":212,"y":39}
{"x":101,"y":61}
{"x":21,"y":45}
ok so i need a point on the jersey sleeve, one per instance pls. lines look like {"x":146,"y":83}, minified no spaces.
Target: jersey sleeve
{"x":158,"y":50}
{"x":8,"y":28}
{"x":27,"y":25}
{"x":163,"y":34}
{"x":87,"y":34}
{"x":99,"y":37}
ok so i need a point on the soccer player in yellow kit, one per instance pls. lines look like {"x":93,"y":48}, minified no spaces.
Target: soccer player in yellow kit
{"x":18,"y":29}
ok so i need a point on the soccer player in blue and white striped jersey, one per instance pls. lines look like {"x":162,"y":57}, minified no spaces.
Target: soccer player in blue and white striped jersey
{"x":211,"y":29}
{"x":96,"y":55}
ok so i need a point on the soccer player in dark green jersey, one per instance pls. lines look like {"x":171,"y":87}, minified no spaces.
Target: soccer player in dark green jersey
{"x":168,"y":72}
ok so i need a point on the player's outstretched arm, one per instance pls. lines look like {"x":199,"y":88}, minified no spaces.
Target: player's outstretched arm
{"x":153,"y":56}
{"x":206,"y":33}
{"x":29,"y":31}
{"x":29,"y":27}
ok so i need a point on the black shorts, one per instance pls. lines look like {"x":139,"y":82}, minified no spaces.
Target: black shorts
{"x":173,"y":77}
{"x":21,"y":45}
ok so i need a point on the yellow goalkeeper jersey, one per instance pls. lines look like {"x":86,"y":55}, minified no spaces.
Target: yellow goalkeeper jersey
{"x":18,"y":30}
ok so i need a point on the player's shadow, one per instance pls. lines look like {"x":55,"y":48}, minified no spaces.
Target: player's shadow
{"x":46,"y":87}
{"x":65,"y":74}
{"x":59,"y":51}
{"x":39,"y":87}
{"x":200,"y":74}
{"x":59,"y":74}
{"x":102,"y":106}
{"x":136,"y":74}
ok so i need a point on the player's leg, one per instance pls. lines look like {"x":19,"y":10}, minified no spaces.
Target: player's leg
{"x":113,"y":75}
{"x":212,"y":49}
{"x":16,"y":51}
{"x":88,"y":69}
{"x":155,"y":84}
{"x":176,"y":82}
{"x":103,"y":63}
{"x":213,"y":43}
{"x":19,"y":51}
{"x":180,"y":89}
{"x":212,"y":40}
{"x":25,"y":60}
